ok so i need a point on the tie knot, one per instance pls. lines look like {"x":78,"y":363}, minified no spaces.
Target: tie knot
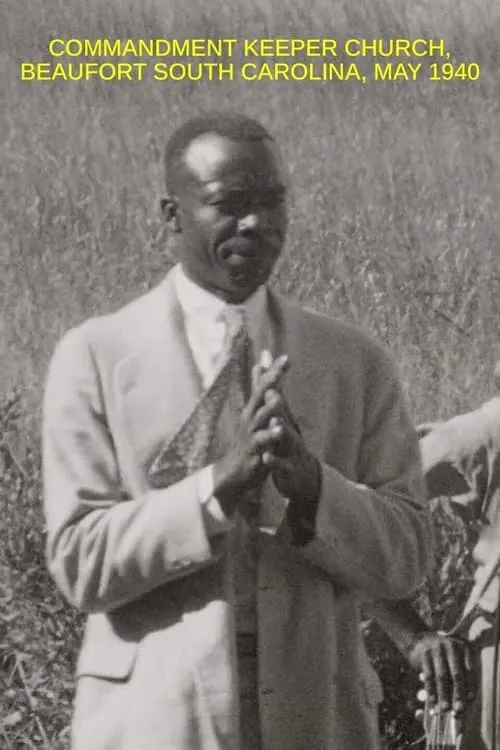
{"x":235,"y":314}
{"x":236,"y":323}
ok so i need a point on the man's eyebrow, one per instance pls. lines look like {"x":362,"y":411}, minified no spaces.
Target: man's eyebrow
{"x":240,"y":183}
{"x":278,"y":188}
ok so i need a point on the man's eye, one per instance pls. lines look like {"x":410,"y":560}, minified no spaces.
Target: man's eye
{"x":220,"y":203}
{"x":233,"y":203}
{"x":273,"y":198}
{"x":238,"y":203}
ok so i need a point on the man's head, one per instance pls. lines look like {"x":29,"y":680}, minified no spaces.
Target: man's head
{"x":226,"y":201}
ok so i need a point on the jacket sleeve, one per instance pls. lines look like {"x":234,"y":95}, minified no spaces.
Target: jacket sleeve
{"x":375,"y":535}
{"x":461,"y":456}
{"x":105,"y":548}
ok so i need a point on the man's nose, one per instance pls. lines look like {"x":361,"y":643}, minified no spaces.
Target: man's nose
{"x":249,"y":223}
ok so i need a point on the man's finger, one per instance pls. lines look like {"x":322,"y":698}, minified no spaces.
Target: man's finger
{"x":456,"y":661}
{"x":443,"y":678}
{"x":266,"y":439}
{"x":429,"y":677}
{"x":266,"y":359}
{"x":269,"y":411}
{"x":263,"y":381}
{"x":270,"y":394}
{"x":265,"y":363}
{"x":467,"y":657}
{"x":472,"y":675}
{"x":274,"y":462}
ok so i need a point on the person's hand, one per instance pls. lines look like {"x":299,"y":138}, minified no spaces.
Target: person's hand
{"x":294,"y":469}
{"x":444,"y":666}
{"x":242,"y":468}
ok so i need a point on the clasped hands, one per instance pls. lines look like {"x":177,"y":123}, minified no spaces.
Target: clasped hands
{"x":268,"y":442}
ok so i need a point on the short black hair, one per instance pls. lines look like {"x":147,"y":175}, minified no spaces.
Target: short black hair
{"x":233,"y":125}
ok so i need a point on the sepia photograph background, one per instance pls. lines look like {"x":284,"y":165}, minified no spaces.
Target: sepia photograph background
{"x":393,"y":226}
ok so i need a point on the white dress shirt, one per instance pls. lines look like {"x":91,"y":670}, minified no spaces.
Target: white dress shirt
{"x":205,"y":331}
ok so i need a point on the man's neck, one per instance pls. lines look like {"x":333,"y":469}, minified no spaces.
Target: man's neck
{"x":215,"y":294}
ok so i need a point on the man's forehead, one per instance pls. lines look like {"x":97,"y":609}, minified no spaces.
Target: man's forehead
{"x":212,"y":157}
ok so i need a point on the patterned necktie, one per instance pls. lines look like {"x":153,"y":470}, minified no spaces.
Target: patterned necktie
{"x":198,"y":443}
{"x":195,"y":445}
{"x":243,"y":540}
{"x":239,"y":392}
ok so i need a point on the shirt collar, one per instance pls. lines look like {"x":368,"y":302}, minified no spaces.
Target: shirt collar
{"x":198,"y":303}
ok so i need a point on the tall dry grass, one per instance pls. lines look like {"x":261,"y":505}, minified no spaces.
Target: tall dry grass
{"x":394,"y":224}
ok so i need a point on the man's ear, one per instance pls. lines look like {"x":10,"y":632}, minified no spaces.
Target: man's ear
{"x":170,"y":210}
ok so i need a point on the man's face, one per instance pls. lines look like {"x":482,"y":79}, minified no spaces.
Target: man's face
{"x":231,"y":214}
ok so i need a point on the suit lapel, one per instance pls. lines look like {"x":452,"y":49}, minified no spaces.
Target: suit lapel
{"x":159,"y":384}
{"x":292,"y":337}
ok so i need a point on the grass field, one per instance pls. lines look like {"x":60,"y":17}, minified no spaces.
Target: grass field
{"x":394,"y":226}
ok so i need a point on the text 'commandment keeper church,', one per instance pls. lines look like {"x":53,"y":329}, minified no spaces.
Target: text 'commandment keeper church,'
{"x":319,"y":47}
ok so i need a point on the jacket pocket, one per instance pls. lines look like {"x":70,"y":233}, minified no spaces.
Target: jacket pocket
{"x":104,"y":652}
{"x":112,"y":640}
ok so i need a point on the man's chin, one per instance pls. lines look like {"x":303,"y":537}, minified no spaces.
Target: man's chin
{"x":239,"y":292}
{"x":236,"y":288}
{"x":245,"y":280}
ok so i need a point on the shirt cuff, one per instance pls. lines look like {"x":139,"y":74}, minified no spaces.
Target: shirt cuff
{"x":216,"y":521}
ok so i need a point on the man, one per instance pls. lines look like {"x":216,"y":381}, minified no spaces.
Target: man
{"x":461,"y":459}
{"x":222,"y":560}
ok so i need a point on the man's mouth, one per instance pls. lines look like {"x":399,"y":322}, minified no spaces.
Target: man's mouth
{"x":241,"y":248}
{"x":240,"y":261}
{"x":242,"y":256}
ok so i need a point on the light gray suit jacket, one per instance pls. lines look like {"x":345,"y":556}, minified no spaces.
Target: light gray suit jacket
{"x":157,"y":666}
